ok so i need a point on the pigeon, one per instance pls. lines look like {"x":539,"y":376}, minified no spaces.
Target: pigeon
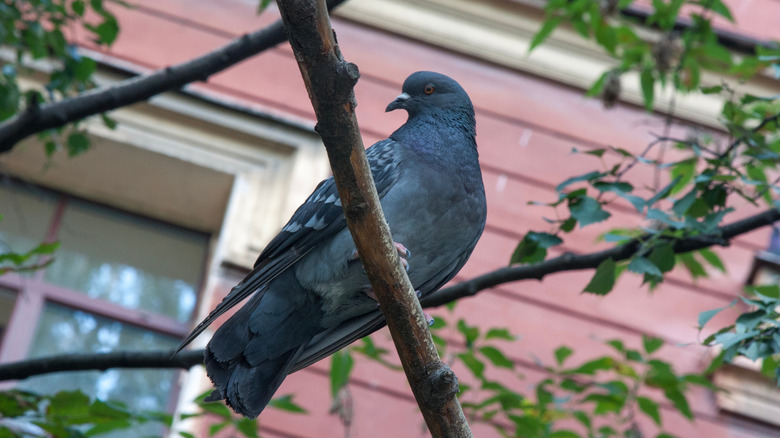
{"x":310,"y":294}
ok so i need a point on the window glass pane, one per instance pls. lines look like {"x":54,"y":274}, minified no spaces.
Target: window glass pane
{"x":7,"y":301}
{"x":65,"y":330}
{"x":131,"y":261}
{"x":27,"y":214}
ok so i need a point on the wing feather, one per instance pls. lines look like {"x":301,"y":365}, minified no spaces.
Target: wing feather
{"x":315,"y":221}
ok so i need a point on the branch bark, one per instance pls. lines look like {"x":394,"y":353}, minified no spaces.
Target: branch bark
{"x":330,"y":81}
{"x":564,"y":263}
{"x":38,"y":118}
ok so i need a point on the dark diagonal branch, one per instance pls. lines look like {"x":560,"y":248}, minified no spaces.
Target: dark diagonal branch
{"x":576,"y":262}
{"x":40,"y":117}
{"x":564,"y":263}
{"x":100,"y":361}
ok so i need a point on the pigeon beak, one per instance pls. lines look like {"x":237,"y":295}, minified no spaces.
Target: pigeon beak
{"x":399,"y":102}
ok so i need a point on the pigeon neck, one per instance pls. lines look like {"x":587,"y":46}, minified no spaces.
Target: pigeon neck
{"x":442,"y":134}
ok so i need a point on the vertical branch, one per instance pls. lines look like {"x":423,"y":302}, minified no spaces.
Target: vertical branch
{"x":330,"y":81}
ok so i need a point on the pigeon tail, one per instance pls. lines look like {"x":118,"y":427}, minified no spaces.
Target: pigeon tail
{"x":247,"y":389}
{"x":251,"y":353}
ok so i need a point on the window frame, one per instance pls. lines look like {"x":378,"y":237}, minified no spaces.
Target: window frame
{"x":33,"y":292}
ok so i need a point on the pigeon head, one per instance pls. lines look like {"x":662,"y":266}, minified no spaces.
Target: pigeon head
{"x":425,"y":91}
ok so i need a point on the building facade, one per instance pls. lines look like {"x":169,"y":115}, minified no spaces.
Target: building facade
{"x":169,"y":210}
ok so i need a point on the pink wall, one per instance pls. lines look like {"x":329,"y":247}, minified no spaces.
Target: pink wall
{"x":527,"y":127}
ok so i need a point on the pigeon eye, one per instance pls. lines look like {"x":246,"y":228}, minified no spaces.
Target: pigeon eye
{"x":429,"y":89}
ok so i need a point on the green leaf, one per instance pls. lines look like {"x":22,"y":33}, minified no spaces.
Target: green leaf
{"x":642,"y":265}
{"x":286,"y":403}
{"x":682,"y":205}
{"x":248,"y":427}
{"x":573,"y":386}
{"x":108,"y":121}
{"x":476,"y":366}
{"x":664,"y":192}
{"x":563,"y":433}
{"x":69,"y":403}
{"x":614,"y":387}
{"x":663,"y":257}
{"x":583,"y":418}
{"x":587,"y":210}
{"x":713,"y":259}
{"x":622,"y":189}
{"x":108,"y":426}
{"x":496,"y":357}
{"x":470,"y":333}
{"x":617,"y":344}
{"x":694,"y":267}
{"x":590,"y":176}
{"x":767,"y":290}
{"x":45,"y":248}
{"x":562,"y":353}
{"x":216,"y":427}
{"x":107,"y":31}
{"x":679,"y":401}
{"x":528,"y":425}
{"x":651,"y":344}
{"x":438,"y":323}
{"x":50,"y":148}
{"x":604,"y":278}
{"x":600,"y":364}
{"x":218,"y":409}
{"x":263,"y":5}
{"x":718,"y":7}
{"x":533,"y":247}
{"x":597,"y":86}
{"x":700,"y":380}
{"x":78,"y":7}
{"x":707,"y":315}
{"x":606,"y":403}
{"x":650,"y":408}
{"x":84,"y":68}
{"x":607,"y":37}
{"x":715,"y":89}
{"x":78,"y":143}
{"x":340,"y":368}
{"x":549,"y":25}
{"x":500,"y":333}
{"x":728,"y":339}
{"x":647,"y":82}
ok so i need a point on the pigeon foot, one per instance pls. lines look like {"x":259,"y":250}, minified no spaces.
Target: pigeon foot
{"x":403,"y":253}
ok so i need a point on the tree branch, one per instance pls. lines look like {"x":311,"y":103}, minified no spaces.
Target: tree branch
{"x":330,"y":81}
{"x":38,"y":118}
{"x":564,"y":263}
{"x":100,"y":361}
{"x":574,"y":262}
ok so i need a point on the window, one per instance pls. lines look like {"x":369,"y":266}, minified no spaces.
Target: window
{"x":118,"y":281}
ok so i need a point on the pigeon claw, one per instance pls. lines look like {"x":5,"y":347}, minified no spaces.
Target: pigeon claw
{"x":403,"y":253}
